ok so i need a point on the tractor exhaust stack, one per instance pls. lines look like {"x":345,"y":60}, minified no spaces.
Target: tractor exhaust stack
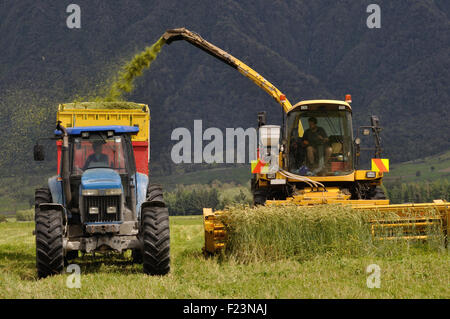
{"x":65,"y":163}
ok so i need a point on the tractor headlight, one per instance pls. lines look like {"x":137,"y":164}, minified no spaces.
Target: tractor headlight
{"x":102,"y":192}
{"x":93,"y":210}
{"x":113,"y":191}
{"x":371,"y":174}
{"x":89,"y":192}
{"x":111,"y":210}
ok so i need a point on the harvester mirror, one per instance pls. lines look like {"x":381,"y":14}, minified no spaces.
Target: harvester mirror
{"x":262,"y":118}
{"x":39,"y":153}
{"x":366,"y":132}
{"x":375,"y":121}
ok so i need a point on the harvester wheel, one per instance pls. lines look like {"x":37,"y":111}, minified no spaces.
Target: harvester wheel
{"x":156,"y":240}
{"x":49,"y":243}
{"x":378,"y":193}
{"x":259,"y":197}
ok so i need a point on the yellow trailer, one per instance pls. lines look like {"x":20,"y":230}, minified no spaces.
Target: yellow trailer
{"x":84,"y":114}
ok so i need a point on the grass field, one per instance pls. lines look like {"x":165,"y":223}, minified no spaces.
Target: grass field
{"x":412,"y":273}
{"x":430,"y":168}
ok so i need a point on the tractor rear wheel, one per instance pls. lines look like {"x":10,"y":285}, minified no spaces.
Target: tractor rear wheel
{"x":136,"y":256}
{"x":155,"y":193}
{"x":156,"y":240}
{"x":49,"y":243}
{"x":41,"y":196}
{"x":71,"y":255}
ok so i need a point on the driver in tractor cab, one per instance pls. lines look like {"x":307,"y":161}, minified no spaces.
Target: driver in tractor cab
{"x":316,"y":142}
{"x":97,"y":157}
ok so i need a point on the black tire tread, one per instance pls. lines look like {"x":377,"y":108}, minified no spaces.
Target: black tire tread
{"x":41,"y":196}
{"x":156,"y":240}
{"x":378,"y":193}
{"x":259,"y":197}
{"x":155,"y":193}
{"x":49,"y":243}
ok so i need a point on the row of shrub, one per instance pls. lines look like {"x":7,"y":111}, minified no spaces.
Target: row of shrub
{"x":190,"y":200}
{"x":418,"y":192}
{"x":25,"y":215}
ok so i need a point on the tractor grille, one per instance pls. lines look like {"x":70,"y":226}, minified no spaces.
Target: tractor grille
{"x":102,"y":202}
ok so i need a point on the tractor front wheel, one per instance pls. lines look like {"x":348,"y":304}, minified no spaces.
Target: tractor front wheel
{"x":49,"y":243}
{"x":156,"y":240}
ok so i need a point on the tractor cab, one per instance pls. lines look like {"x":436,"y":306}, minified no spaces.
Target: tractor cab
{"x":319,"y":139}
{"x":99,"y":178}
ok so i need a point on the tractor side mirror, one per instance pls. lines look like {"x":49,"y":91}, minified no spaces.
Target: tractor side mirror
{"x":366,"y":132}
{"x":39,"y":153}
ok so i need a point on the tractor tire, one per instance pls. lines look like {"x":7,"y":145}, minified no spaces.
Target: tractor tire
{"x":136,"y":256}
{"x":71,"y":255}
{"x":259,"y":197}
{"x":378,"y":193}
{"x":156,"y":240}
{"x":155,"y":193}
{"x":41,"y":196}
{"x":49,"y":243}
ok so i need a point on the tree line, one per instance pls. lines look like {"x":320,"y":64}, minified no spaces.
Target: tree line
{"x":192,"y":200}
{"x":418,"y":192}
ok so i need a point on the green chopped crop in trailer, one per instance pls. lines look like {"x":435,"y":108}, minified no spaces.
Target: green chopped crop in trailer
{"x":103,"y":105}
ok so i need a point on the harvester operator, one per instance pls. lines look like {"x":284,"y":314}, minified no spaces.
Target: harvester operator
{"x":314,"y":139}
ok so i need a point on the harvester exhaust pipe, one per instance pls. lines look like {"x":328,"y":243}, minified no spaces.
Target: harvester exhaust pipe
{"x":65,"y":163}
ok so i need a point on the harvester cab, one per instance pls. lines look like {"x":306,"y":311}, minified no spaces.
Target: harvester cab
{"x":317,"y":153}
{"x":100,"y":202}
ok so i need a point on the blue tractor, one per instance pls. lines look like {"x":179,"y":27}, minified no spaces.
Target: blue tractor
{"x":99,"y":203}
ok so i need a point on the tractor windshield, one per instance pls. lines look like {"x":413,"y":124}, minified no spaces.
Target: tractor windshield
{"x":322,"y":144}
{"x":98,"y":152}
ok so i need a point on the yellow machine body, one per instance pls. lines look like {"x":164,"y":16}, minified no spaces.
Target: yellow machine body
{"x":409,"y":215}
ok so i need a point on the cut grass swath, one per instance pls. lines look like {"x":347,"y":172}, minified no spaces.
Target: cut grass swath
{"x":271,"y":233}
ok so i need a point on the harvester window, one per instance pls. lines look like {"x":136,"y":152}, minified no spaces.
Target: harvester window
{"x":325,"y":147}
